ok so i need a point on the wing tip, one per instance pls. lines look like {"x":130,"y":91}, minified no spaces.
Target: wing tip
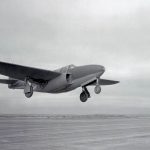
{"x":117,"y":82}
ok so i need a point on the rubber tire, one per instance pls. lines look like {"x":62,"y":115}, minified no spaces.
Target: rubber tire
{"x":83,"y":97}
{"x":29,"y":94}
{"x":97,"y":89}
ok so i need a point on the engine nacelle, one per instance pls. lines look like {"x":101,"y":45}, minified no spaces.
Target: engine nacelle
{"x":59,"y":83}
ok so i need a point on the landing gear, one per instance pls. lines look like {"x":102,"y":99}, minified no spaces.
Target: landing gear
{"x":28,"y":90}
{"x":97,"y":88}
{"x":84,"y":95}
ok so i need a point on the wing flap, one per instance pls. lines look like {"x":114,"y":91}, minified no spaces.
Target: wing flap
{"x":21,"y":72}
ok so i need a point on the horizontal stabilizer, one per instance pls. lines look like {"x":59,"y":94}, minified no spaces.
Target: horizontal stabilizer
{"x":6,"y":81}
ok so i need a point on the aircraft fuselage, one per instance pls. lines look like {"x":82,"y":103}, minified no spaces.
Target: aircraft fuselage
{"x":77,"y":75}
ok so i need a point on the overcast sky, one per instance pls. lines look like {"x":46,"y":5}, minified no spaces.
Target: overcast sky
{"x":52,"y":33}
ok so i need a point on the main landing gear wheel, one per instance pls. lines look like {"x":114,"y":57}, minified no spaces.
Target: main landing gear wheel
{"x":84,"y":95}
{"x":28,"y":90}
{"x":97,"y":89}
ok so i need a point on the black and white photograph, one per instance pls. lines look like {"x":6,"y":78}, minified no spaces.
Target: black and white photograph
{"x":74,"y":75}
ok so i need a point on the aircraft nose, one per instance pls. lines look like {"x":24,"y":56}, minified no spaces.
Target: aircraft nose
{"x":101,"y":69}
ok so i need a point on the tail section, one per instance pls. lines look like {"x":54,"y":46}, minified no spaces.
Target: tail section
{"x":7,"y":81}
{"x":13,"y":83}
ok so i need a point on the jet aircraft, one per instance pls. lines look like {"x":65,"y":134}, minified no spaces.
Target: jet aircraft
{"x":61,"y":80}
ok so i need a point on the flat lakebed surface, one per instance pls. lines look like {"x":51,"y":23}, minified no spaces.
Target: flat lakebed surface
{"x":70,"y":132}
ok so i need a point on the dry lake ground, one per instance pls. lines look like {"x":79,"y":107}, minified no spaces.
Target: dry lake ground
{"x":70,"y":132}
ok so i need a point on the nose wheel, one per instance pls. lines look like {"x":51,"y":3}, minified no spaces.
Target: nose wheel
{"x":84,"y":95}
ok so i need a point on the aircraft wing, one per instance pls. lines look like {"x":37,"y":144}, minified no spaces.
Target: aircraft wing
{"x":108,"y":82}
{"x":103,"y":82}
{"x":21,"y":72}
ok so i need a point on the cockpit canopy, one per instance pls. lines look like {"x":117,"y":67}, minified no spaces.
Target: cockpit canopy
{"x":66,"y":69}
{"x":71,"y":66}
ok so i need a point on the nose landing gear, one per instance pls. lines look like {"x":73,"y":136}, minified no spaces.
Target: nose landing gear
{"x":84,"y":95}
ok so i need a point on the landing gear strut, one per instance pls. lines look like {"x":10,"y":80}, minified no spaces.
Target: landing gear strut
{"x":28,"y":89}
{"x":84,"y":95}
{"x":97,"y":88}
